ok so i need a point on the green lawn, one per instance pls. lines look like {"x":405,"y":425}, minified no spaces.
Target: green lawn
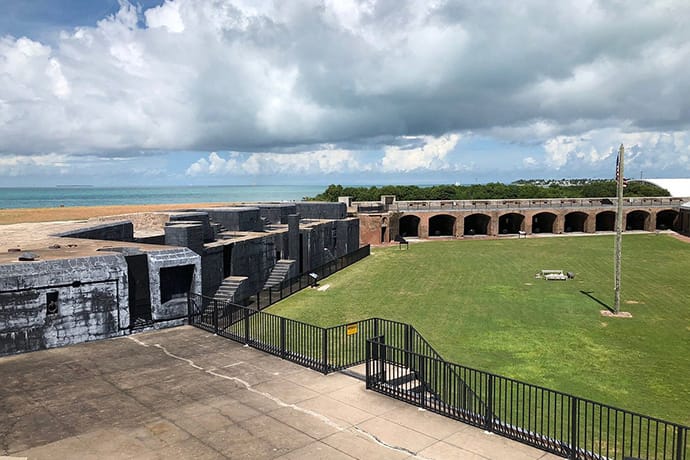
{"x":478,"y":303}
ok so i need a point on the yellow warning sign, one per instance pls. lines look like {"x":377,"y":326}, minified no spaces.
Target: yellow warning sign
{"x":352,"y":329}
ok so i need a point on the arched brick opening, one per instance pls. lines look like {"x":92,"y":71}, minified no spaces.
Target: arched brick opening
{"x":667,"y":220}
{"x":409,"y":225}
{"x":636,"y":220}
{"x":510,"y":223}
{"x":441,"y":225}
{"x":477,"y":224}
{"x":606,"y":221}
{"x":543,"y":222}
{"x":575,"y":222}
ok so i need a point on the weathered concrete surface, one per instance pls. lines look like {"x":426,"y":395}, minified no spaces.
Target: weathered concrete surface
{"x":184,"y":393}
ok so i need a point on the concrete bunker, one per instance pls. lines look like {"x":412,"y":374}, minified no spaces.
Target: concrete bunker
{"x":442,"y":225}
{"x":667,"y":220}
{"x":637,"y":220}
{"x":511,"y":223}
{"x":575,"y":222}
{"x":543,"y":222}
{"x":605,"y":221}
{"x":477,"y":224}
{"x":409,"y":225}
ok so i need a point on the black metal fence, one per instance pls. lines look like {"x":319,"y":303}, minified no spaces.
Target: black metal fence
{"x":400,"y":363}
{"x":288,"y":287}
{"x":557,"y":422}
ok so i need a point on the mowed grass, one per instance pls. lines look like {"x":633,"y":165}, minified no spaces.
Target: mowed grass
{"x":479,"y":304}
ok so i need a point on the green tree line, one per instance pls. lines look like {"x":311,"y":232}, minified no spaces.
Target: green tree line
{"x":491,"y":191}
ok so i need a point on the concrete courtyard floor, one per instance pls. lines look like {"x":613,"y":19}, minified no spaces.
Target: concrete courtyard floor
{"x":185,"y":393}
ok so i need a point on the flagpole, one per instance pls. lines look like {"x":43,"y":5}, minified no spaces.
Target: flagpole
{"x":619,"y":230}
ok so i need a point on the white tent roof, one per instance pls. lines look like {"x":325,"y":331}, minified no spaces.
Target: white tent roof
{"x":676,"y":187}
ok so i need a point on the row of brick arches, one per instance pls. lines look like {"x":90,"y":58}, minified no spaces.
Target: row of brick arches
{"x":411,"y":225}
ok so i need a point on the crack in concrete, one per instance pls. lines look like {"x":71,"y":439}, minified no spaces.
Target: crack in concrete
{"x":278,"y":401}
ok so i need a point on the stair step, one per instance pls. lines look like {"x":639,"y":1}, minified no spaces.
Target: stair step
{"x":402,"y":379}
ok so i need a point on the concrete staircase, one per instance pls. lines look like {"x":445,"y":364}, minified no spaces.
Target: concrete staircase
{"x":226,"y":291}
{"x":279,"y":273}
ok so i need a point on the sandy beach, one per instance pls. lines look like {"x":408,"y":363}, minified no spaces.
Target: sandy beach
{"x":27,"y":215}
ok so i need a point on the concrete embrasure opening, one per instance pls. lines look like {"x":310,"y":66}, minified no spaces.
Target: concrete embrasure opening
{"x":575,"y":222}
{"x":667,"y":220}
{"x":636,"y":220}
{"x":409,"y":226}
{"x":543,"y":222}
{"x":510,"y":223}
{"x":441,"y":225}
{"x":477,"y":224}
{"x":605,"y":221}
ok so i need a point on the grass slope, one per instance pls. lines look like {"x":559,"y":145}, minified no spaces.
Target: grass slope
{"x":478,"y":303}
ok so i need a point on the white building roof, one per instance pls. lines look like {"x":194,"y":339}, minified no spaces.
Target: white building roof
{"x":676,"y":187}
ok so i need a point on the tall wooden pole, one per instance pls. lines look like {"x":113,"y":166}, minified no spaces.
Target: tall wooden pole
{"x":619,"y":229}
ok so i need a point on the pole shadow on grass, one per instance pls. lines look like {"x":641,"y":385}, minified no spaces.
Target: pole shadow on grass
{"x":589,"y":294}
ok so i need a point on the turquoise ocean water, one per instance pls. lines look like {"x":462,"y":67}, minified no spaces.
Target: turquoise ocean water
{"x":51,"y":197}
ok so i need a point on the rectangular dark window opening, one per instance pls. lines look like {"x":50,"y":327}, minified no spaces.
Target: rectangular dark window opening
{"x":52,"y":303}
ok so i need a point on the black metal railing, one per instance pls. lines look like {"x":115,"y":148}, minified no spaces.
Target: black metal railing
{"x":268,"y":297}
{"x":400,"y":363}
{"x":553,"y":421}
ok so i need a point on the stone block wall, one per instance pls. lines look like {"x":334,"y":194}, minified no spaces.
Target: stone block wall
{"x":89,"y":295}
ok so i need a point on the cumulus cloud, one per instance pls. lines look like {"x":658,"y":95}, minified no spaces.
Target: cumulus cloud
{"x":645,"y":150}
{"x":412,"y":75}
{"x":431,"y":155}
{"x":325,"y":161}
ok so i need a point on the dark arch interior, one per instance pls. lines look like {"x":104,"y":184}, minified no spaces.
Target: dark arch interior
{"x":575,"y":222}
{"x":409,"y":226}
{"x":477,"y":224}
{"x":667,"y":220}
{"x":636,"y":220}
{"x":441,"y":225}
{"x":606,"y":221}
{"x":510,"y":223}
{"x":543,"y":222}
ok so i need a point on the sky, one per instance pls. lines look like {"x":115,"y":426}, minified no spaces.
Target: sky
{"x":352,"y":92}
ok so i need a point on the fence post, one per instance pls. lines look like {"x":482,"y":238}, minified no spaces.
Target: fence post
{"x":215,"y":317}
{"x":246,"y":325}
{"x":489,"y":417}
{"x":408,"y":344}
{"x":189,"y":308}
{"x":382,"y":358}
{"x":376,"y":327}
{"x":422,"y":379}
{"x":282,"y":337}
{"x":573,"y":427}
{"x":367,"y":360}
{"x":324,"y":346}
{"x":680,"y":443}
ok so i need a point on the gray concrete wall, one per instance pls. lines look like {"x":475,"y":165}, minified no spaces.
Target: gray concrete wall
{"x":241,"y":219}
{"x":254,"y":259}
{"x":92,"y":302}
{"x":196,"y":216}
{"x":186,"y":234}
{"x":113,"y":231}
{"x":320,"y":210}
{"x":277,"y":213}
